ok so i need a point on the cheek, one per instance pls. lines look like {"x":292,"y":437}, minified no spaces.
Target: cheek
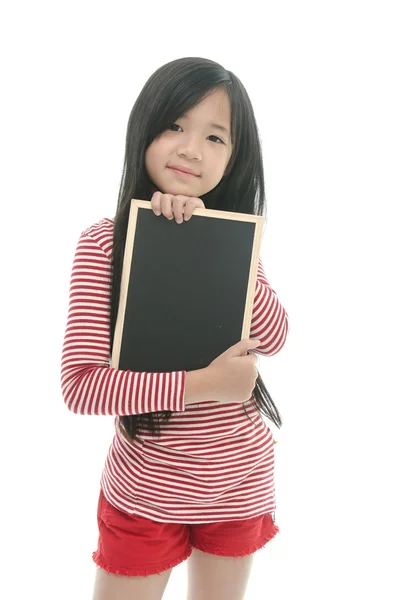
{"x":217,"y":169}
{"x":157,"y":153}
{"x":151,"y":158}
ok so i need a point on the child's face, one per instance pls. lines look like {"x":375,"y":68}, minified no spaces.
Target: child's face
{"x":193,"y":143}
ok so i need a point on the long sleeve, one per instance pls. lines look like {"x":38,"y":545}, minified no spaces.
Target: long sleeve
{"x":89,"y":385}
{"x":269,"y":319}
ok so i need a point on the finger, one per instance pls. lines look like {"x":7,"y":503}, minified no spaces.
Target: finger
{"x":166,"y":206}
{"x":156,"y":203}
{"x":178,"y":207}
{"x":249,"y":358}
{"x":254,"y":359}
{"x":191,"y":205}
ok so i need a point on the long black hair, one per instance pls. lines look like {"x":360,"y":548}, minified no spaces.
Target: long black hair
{"x":171,"y":91}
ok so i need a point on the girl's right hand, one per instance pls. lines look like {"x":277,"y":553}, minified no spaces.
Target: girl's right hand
{"x":232,"y":375}
{"x":180,"y":207}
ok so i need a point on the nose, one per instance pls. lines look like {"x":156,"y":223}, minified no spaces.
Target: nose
{"x":190,"y":148}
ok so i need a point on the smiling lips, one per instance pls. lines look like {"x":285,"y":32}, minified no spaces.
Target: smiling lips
{"x":183,"y":171}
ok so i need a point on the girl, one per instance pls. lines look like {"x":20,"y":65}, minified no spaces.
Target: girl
{"x":201,"y":486}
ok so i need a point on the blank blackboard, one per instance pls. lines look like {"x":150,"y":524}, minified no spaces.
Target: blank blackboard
{"x":187,"y":290}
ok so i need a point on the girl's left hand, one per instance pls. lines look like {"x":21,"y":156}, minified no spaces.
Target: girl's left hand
{"x":180,"y":207}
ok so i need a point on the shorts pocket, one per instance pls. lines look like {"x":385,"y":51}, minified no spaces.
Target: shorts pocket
{"x":103,"y":508}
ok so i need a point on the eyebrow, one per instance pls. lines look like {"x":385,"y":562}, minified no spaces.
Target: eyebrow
{"x":213,"y":125}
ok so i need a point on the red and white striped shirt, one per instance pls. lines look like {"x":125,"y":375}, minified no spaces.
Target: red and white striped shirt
{"x":211,"y":462}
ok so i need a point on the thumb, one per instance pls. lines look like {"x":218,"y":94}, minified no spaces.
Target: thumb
{"x":242,"y":347}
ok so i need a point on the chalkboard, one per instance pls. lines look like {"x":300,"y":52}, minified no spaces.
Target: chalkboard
{"x":187,"y":290}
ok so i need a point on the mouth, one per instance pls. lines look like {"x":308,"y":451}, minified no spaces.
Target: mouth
{"x":183,"y":173}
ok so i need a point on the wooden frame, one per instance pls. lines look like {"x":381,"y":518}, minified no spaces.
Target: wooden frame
{"x":258,"y":221}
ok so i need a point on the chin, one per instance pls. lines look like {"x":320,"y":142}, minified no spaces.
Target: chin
{"x":182,"y":191}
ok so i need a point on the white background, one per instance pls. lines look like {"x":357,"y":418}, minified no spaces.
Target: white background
{"x":322,"y":80}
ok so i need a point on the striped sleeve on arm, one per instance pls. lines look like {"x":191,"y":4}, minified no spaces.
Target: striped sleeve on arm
{"x":269,"y":318}
{"x":89,"y":385}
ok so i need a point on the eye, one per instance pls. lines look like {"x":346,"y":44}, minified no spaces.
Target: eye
{"x":211,"y":136}
{"x":218,"y":138}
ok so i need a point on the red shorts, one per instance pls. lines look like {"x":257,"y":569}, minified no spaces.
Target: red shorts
{"x":136,"y":546}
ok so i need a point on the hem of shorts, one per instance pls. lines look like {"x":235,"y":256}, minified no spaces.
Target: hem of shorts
{"x":250,"y":550}
{"x":139,"y":571}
